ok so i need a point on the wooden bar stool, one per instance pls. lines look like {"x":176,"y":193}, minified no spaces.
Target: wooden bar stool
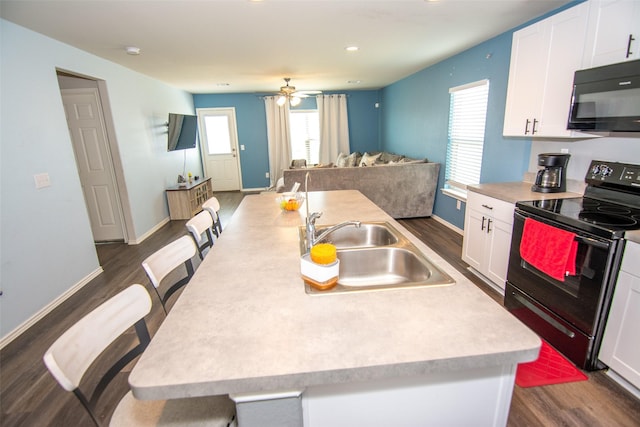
{"x":75,"y":351}
{"x":166,"y":260}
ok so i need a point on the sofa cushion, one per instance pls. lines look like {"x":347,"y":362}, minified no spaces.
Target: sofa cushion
{"x":369,"y":159}
{"x":407,"y":160}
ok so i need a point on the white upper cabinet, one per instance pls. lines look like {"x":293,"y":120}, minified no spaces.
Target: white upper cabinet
{"x":613,"y":32}
{"x":544,"y":58}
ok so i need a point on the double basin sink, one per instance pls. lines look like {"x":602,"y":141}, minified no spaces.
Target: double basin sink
{"x":376,"y":256}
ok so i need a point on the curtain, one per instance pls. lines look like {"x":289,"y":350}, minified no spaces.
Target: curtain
{"x":334,"y":126}
{"x":278,"y":138}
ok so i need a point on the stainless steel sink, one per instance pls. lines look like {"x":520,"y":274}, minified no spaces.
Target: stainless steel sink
{"x":369,"y":234}
{"x":376,"y":257}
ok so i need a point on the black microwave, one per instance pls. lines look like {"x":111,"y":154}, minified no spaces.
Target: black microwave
{"x":606,"y":99}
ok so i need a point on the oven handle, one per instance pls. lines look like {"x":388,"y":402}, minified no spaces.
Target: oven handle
{"x":586,"y":240}
{"x":553,"y":322}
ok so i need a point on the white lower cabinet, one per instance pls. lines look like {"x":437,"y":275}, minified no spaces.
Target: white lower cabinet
{"x":488,"y":225}
{"x":620,"y":346}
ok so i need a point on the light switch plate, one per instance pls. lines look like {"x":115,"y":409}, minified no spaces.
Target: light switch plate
{"x":42,"y":180}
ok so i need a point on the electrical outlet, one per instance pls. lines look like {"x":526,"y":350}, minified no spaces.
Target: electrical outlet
{"x":266,"y":175}
{"x":564,"y":150}
{"x":241,"y":147}
{"x":458,"y":204}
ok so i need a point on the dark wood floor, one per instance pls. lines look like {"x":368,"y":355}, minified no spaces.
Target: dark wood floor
{"x":30,"y":397}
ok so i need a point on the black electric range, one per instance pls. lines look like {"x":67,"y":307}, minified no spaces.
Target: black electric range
{"x":571,"y":312}
{"x":610,"y":206}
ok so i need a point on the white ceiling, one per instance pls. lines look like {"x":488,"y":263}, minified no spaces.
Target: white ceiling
{"x":201,"y":46}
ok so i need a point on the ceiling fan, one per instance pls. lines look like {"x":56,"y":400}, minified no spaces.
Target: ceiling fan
{"x":294,"y":97}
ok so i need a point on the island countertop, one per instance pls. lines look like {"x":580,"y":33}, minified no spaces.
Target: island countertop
{"x":245,"y":324}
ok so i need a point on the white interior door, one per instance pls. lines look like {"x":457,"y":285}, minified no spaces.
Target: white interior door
{"x":219,"y":145}
{"x":93,"y":158}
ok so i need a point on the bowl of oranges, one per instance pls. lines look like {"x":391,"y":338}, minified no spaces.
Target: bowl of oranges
{"x":290,"y":202}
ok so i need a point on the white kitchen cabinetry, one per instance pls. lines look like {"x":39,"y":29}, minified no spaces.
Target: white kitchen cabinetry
{"x":544,"y":58}
{"x":613,"y":32}
{"x":488,"y":225}
{"x":620,"y":348}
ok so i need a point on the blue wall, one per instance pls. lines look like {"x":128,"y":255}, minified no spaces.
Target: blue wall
{"x":364,"y":122}
{"x":415,"y":111}
{"x":415,"y":117}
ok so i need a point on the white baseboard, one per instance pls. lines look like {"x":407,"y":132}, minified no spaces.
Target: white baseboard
{"x":448,"y":224}
{"x":486,"y":280}
{"x":624,"y":383}
{"x":48,"y":308}
{"x":150,"y":232}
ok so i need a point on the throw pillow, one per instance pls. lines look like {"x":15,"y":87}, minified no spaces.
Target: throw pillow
{"x":390,"y":157}
{"x":351,"y":159}
{"x":341,"y":161}
{"x":369,"y":159}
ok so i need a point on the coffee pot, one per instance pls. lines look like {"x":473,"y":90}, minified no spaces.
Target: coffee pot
{"x":551,"y":177}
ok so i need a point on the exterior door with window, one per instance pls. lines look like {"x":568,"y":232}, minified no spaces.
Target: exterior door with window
{"x":219,"y":145}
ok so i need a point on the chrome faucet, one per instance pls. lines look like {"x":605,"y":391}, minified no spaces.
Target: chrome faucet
{"x":311,"y":229}
{"x":311,"y":221}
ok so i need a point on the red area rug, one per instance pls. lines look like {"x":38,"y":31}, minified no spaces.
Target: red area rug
{"x":550,"y":368}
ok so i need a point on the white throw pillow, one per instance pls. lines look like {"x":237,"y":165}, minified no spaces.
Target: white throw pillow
{"x":369,"y":159}
{"x":341,"y":161}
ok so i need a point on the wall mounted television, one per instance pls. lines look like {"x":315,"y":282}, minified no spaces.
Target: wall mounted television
{"x":183,"y":131}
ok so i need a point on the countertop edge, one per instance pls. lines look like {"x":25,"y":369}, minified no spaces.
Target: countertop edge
{"x":513,"y":192}
{"x":343,"y":376}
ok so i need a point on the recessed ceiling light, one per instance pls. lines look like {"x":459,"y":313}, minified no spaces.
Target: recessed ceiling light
{"x":351,"y":48}
{"x":222,"y":84}
{"x":132,"y":50}
{"x":354,"y":82}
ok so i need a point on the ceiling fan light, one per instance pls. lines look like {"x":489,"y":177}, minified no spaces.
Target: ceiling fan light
{"x":281,"y":100}
{"x":295,"y":101}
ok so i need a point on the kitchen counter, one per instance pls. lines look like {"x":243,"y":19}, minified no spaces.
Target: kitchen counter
{"x":632,"y":235}
{"x":513,"y":192}
{"x":244,"y":324}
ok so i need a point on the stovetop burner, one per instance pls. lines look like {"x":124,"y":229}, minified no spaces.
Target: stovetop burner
{"x":607,"y":219}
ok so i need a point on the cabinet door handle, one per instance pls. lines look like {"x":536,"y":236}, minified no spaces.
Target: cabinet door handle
{"x":533,"y":128}
{"x":482,"y":227}
{"x":488,"y":225}
{"x":526,"y":127}
{"x":629,"y":53}
{"x":488,"y":207}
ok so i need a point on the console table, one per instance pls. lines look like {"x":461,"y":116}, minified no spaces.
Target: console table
{"x":186,"y":201}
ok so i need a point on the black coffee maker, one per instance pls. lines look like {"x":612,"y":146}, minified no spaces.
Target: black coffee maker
{"x":551,"y":177}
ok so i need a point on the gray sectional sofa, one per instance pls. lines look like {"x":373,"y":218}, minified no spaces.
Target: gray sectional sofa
{"x":403,"y":190}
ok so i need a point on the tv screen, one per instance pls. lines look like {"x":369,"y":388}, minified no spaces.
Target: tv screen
{"x":183,"y":130}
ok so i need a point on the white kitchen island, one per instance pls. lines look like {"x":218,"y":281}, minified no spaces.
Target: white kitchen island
{"x":245,"y":326}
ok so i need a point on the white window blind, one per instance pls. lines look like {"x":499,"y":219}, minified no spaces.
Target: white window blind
{"x":304,"y":126}
{"x":467,"y":117}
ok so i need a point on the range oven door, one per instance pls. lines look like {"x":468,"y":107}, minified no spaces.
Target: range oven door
{"x":570,"y":314}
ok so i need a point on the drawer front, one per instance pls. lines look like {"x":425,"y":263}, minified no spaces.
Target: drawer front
{"x":498,"y":209}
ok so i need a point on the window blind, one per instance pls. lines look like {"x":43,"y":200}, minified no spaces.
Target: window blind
{"x":467,"y":117}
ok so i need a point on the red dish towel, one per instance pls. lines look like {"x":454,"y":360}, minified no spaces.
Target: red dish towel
{"x":549,"y":249}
